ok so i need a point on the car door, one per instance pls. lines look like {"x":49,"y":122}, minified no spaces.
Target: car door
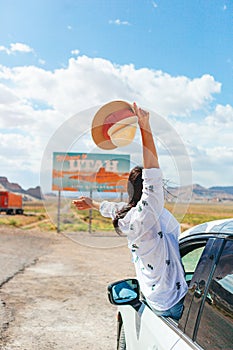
{"x":198,"y":293}
{"x":215,"y":324}
{"x":146,"y":331}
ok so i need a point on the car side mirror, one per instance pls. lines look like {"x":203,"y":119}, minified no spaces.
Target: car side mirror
{"x":124,"y":292}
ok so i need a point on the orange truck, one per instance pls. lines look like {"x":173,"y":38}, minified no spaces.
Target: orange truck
{"x":11,"y":203}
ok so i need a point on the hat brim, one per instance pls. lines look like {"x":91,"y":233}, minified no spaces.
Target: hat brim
{"x":98,"y":121}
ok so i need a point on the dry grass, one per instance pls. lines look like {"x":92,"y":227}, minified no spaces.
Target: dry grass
{"x":197,"y":213}
{"x":35,"y":215}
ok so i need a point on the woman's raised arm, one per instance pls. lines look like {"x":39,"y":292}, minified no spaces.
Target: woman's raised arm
{"x":150,"y":157}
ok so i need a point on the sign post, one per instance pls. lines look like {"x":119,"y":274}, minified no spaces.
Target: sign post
{"x":90,"y":215}
{"x":58,"y":211}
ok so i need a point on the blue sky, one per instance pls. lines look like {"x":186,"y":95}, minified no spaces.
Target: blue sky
{"x":58,"y":58}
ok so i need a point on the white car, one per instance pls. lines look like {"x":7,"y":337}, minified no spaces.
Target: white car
{"x":207,"y":319}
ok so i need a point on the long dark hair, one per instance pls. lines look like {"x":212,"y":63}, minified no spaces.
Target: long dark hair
{"x":134,"y":189}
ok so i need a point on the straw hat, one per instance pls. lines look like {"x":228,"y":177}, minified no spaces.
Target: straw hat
{"x":114,"y":125}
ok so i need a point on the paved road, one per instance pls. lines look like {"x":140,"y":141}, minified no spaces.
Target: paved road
{"x":53,"y":290}
{"x":19,"y":249}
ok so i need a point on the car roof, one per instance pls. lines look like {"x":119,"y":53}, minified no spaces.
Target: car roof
{"x":224,"y":226}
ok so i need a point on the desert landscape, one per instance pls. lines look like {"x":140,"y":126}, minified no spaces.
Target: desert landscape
{"x":53,"y":285}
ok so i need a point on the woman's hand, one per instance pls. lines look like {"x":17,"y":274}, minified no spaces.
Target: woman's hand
{"x":84,"y":203}
{"x":150,"y":157}
{"x":143,"y":117}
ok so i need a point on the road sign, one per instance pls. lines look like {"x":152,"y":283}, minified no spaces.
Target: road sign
{"x":90,"y":172}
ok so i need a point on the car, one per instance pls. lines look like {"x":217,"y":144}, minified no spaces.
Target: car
{"x":207,"y":319}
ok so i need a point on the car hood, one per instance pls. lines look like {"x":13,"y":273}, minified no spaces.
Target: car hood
{"x":217,"y":226}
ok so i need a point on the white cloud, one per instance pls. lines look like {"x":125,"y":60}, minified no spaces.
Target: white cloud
{"x":171,"y":95}
{"x":154,"y":4}
{"x":3,"y":48}
{"x":20,"y":47}
{"x":16,"y":47}
{"x":41,"y":61}
{"x":213,"y":166}
{"x":209,"y":142}
{"x":97,"y":80}
{"x":7,"y":96}
{"x":25,"y":145}
{"x":119,"y":22}
{"x":221,"y":117}
{"x":75,"y":52}
{"x":34,"y":102}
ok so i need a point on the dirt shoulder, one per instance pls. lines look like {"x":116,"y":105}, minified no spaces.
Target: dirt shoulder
{"x":53,"y":291}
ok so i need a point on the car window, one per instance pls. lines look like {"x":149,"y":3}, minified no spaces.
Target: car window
{"x":216,"y":325}
{"x":190,"y":261}
{"x":191,"y":254}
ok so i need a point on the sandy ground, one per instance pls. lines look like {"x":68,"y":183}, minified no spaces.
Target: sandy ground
{"x":53,"y":289}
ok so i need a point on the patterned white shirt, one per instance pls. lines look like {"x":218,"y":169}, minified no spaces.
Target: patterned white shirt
{"x":152,"y":233}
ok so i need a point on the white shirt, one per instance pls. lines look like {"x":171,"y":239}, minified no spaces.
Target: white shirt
{"x":152,"y":233}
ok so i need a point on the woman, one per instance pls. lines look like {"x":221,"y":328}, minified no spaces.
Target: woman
{"x":152,"y":231}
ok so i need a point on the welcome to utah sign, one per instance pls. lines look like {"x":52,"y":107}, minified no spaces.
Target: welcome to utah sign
{"x":90,"y":171}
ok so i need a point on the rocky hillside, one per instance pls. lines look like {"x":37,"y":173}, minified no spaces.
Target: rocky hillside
{"x":29,"y":194}
{"x":200,"y":193}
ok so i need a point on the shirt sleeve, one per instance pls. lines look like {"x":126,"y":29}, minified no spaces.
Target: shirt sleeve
{"x":109,"y":209}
